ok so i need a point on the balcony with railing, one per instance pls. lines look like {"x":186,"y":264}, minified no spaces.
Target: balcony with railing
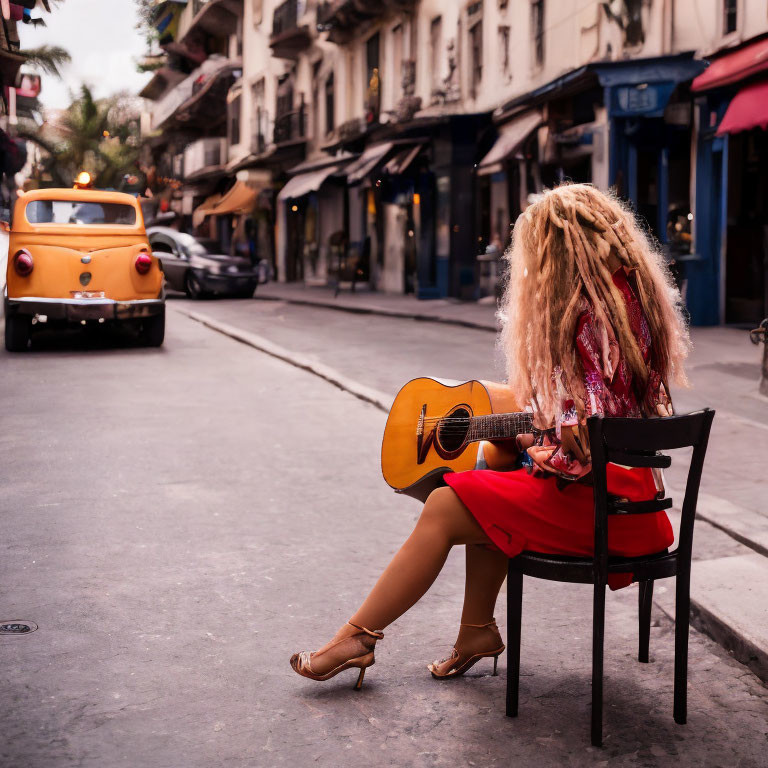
{"x":289,"y":37}
{"x":342,"y":19}
{"x":198,"y":103}
{"x":204,"y":157}
{"x":291,"y":127}
{"x":213,"y":17}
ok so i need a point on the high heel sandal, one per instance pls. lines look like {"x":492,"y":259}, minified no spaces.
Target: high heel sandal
{"x":459,"y":665}
{"x":301,"y":662}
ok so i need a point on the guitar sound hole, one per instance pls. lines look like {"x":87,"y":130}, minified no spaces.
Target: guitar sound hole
{"x":453,"y":429}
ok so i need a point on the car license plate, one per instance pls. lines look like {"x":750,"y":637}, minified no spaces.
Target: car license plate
{"x":87,"y":294}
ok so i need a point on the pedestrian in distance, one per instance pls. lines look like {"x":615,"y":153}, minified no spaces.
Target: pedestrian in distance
{"x":592,"y":324}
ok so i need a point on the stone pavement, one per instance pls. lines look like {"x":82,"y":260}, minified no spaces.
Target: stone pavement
{"x":724,"y":369}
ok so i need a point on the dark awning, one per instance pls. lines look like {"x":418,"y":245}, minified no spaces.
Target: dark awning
{"x":400,"y":162}
{"x":370,"y":158}
{"x":511,"y":136}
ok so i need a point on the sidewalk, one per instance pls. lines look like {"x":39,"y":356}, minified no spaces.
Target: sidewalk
{"x":467,"y":313}
{"x":732,"y":537}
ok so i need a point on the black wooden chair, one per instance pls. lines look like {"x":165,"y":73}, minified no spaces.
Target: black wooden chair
{"x":634,"y":443}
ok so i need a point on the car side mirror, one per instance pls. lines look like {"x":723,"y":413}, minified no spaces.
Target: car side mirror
{"x":5,"y":226}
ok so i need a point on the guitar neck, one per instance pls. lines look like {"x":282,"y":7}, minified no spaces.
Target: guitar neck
{"x":499,"y":426}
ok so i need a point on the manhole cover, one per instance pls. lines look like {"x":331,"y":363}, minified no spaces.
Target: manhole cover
{"x":17,"y":627}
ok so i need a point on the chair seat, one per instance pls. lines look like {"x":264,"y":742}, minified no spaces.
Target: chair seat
{"x":580,"y":570}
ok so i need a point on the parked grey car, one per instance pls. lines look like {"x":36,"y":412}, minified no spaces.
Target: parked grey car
{"x":191,"y":265}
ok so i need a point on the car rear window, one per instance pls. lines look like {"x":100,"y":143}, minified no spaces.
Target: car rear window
{"x":80,"y":212}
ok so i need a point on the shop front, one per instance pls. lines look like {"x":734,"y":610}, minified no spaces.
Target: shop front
{"x":648,"y":105}
{"x":729,"y":284}
{"x":311,"y":220}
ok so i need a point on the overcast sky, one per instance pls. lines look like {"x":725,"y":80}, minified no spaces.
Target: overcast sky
{"x":102,"y":39}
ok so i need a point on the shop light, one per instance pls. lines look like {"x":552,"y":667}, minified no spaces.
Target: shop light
{"x":416,"y":198}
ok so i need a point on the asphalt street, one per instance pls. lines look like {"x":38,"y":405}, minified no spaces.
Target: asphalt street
{"x":179,"y":521}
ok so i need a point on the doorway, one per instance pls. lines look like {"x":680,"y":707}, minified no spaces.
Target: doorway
{"x":746,"y":253}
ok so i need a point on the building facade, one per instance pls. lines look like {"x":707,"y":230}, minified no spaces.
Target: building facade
{"x":395,"y":143}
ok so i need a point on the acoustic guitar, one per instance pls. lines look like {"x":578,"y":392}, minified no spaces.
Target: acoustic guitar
{"x":435,"y":426}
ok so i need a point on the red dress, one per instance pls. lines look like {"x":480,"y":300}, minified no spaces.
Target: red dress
{"x":520,"y":510}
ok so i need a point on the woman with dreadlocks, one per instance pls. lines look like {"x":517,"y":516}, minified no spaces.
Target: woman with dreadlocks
{"x":591,"y":325}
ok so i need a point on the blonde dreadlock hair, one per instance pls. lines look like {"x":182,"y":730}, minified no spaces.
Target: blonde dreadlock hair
{"x":565,"y":249}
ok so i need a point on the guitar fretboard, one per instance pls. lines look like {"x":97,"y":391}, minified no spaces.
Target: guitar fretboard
{"x":498,"y":426}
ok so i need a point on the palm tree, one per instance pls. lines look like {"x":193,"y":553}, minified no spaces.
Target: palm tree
{"x":98,"y":136}
{"x":48,"y":58}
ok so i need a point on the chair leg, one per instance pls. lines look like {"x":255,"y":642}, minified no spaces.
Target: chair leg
{"x":514,"y":622}
{"x":682,"y":619}
{"x":598,"y":636}
{"x":645,"y":602}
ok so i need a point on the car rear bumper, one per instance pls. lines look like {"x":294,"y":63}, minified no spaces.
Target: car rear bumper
{"x":75,"y":310}
{"x":227,"y":283}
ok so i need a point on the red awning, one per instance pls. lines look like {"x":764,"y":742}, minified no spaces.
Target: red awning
{"x":733,"y":67}
{"x":748,"y":109}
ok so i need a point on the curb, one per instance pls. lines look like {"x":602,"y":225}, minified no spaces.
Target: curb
{"x":726,"y":606}
{"x":736,"y":645}
{"x":382,"y":311}
{"x":372,"y":396}
{"x":740,"y":647}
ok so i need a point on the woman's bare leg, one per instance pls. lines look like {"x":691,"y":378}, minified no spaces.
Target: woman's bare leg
{"x":444,"y":522}
{"x":486,"y":571}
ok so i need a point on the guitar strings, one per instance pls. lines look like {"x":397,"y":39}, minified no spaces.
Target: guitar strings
{"x":495,"y":417}
{"x":462,"y":425}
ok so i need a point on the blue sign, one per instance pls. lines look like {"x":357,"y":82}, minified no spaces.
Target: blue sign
{"x":645,"y":99}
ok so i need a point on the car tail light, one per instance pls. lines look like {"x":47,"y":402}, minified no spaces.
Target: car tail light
{"x":143,"y":263}
{"x":23,"y":263}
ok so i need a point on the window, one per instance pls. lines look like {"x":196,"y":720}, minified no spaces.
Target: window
{"x":160,"y":245}
{"x":373,"y":79}
{"x":259,"y":138}
{"x":537,"y":31}
{"x":80,"y":212}
{"x":504,"y":50}
{"x":476,"y":55}
{"x":234,"y":120}
{"x":435,"y":46}
{"x":397,"y":60}
{"x":284,"y":95}
{"x":730,"y":16}
{"x":316,"y":98}
{"x":330,"y":104}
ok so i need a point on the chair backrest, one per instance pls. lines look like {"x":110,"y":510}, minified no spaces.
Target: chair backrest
{"x":638,"y":443}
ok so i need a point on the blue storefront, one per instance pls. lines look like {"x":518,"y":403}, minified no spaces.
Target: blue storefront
{"x":649,"y":128}
{"x":649,"y":109}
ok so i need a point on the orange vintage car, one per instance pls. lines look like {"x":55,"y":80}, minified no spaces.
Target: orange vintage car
{"x":81,"y":256}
